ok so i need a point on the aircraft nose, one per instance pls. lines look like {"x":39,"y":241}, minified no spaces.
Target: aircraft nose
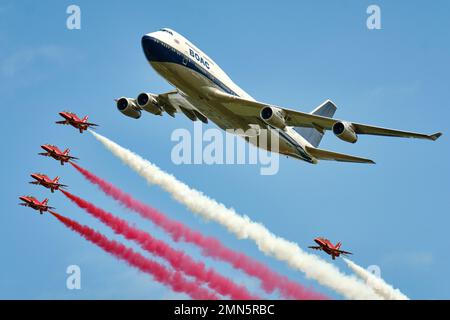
{"x":153,"y":48}
{"x":22,"y":198}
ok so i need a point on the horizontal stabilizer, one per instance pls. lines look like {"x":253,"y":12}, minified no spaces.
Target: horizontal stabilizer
{"x":334,"y":156}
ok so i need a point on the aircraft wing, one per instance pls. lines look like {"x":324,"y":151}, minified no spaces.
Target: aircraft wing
{"x":173,"y":102}
{"x":344,"y":252}
{"x":164,"y":100}
{"x":335,"y":156}
{"x":245,"y":107}
{"x":61,"y":122}
{"x":315,"y":247}
{"x":91,"y":124}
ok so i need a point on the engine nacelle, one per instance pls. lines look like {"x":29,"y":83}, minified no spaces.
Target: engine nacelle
{"x":273,"y":116}
{"x":128,"y":107}
{"x":149,"y":103}
{"x":345,"y":131}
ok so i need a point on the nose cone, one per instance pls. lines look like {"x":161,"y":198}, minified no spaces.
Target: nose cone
{"x":147,"y":46}
{"x":317,"y":240}
{"x":34,"y":176}
{"x":153,"y":48}
{"x":23,"y":198}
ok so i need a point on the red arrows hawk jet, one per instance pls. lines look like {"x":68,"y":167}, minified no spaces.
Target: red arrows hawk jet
{"x":55,"y":153}
{"x":72,"y":119}
{"x":32,"y":202}
{"x":326,"y":246}
{"x":45,"y":181}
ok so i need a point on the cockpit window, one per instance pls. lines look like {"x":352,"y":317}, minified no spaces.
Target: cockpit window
{"x":168,"y":31}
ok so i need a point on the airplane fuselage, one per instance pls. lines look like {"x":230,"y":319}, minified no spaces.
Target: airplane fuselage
{"x":73,"y":120}
{"x":56,"y":154}
{"x":34,"y":204}
{"x":329,"y":248}
{"x":193,"y":73}
{"x":45,"y":182}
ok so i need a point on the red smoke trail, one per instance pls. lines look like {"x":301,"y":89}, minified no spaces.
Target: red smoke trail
{"x":175,"y":280}
{"x":210,"y":246}
{"x":177,"y":259}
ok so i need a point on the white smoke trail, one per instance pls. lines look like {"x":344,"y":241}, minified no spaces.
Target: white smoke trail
{"x":377,"y":284}
{"x":325,"y":273}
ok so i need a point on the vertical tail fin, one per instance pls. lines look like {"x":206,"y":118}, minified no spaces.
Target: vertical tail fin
{"x":312,"y":135}
{"x":338,"y":245}
{"x":56,"y":179}
{"x":45,"y":201}
{"x":66,"y":152}
{"x":85,"y":119}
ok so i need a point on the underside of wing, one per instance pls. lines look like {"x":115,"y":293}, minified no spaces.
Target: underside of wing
{"x":378,"y":131}
{"x":249,"y":108}
{"x":344,"y":252}
{"x":164,"y":100}
{"x":334,"y":156}
{"x":315,"y":247}
{"x":173,"y":102}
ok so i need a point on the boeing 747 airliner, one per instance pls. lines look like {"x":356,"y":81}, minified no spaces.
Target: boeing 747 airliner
{"x":204,"y":91}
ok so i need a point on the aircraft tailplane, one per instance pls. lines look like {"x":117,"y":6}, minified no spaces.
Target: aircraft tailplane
{"x":335,"y":156}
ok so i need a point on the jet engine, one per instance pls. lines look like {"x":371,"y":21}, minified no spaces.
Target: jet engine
{"x":273,"y":116}
{"x":128,"y":107}
{"x":345,"y":131}
{"x":149,"y":103}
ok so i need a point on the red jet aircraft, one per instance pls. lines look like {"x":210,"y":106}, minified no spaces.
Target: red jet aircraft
{"x":73,"y":120}
{"x":44,"y":180}
{"x":326,"y":245}
{"x":32,"y":202}
{"x":55,"y":153}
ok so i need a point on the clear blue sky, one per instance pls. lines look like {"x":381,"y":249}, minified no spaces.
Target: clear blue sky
{"x":394,"y":214}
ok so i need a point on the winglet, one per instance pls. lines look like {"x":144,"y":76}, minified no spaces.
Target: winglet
{"x":435,"y":136}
